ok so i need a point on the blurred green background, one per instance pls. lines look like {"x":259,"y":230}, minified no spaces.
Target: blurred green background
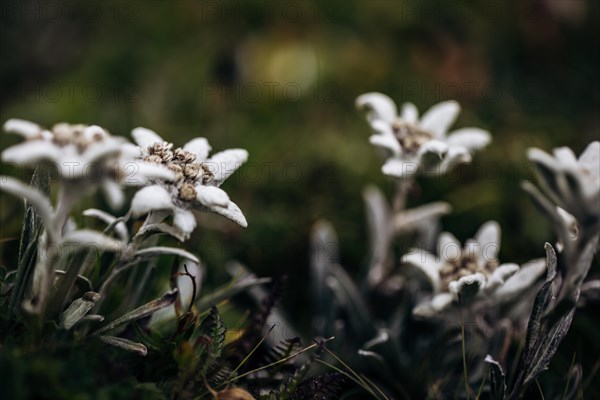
{"x":280,"y":78}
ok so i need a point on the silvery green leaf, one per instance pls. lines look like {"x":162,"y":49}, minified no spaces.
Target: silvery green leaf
{"x":412,"y":219}
{"x":125,"y":344}
{"x":92,"y":239}
{"x":535,"y":353}
{"x":163,"y":228}
{"x":33,"y":226}
{"x":561,"y":226}
{"x":35,"y":197}
{"x":324,"y":253}
{"x":351,"y":300}
{"x":78,"y":309}
{"x":497,"y":378}
{"x":83,"y":283}
{"x":238,"y":285}
{"x":283,"y":328}
{"x":120,"y":227}
{"x":378,"y":218}
{"x":147,"y":309}
{"x":157,"y":251}
{"x":550,"y":344}
{"x":92,"y":318}
{"x":576,"y":273}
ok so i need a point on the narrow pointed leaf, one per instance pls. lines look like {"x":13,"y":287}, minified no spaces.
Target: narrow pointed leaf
{"x":147,"y":309}
{"x":78,"y":309}
{"x":497,"y":379}
{"x":152,"y":252}
{"x":125,"y":344}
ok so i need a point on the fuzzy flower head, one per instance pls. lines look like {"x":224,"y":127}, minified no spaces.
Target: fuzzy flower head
{"x":196,"y":183}
{"x":419,"y":145}
{"x":470,"y":273}
{"x":571,"y":183}
{"x":83,"y":155}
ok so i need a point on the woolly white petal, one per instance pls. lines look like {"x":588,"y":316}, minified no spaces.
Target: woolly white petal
{"x":232,"y":212}
{"x":27,"y":129}
{"x":569,"y":221}
{"x":449,"y":247}
{"x":410,"y":113}
{"x":114,"y":194}
{"x":130,"y":151}
{"x":470,"y":138}
{"x":522,"y":280}
{"x":500,"y":275}
{"x":210,"y":196}
{"x":199,"y":147}
{"x":145,"y":137}
{"x":429,"y":264}
{"x":439,"y":118}
{"x":185,"y":221}
{"x":565,"y":157}
{"x":488,"y":238}
{"x":139,"y":173}
{"x":387,"y":142}
{"x":225,"y":163}
{"x":150,"y":198}
{"x":377,"y":106}
{"x":101,"y":150}
{"x":94,"y":132}
{"x":31,"y":152}
{"x":538,"y":156}
{"x":397,"y":168}
{"x":434,"y":306}
{"x":590,"y":158}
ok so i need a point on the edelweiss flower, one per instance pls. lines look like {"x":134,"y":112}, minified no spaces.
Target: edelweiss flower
{"x":196,"y":184}
{"x":419,"y":145}
{"x":84,"y":156}
{"x":470,"y":273}
{"x":572,"y":183}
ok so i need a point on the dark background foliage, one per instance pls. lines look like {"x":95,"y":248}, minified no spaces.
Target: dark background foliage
{"x":280,"y":79}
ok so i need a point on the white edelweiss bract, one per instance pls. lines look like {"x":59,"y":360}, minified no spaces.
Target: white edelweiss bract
{"x":419,"y":145}
{"x":465,"y":274}
{"x":196,"y":183}
{"x":572,"y":183}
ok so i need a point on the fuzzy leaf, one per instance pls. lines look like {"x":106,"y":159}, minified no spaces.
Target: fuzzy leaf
{"x":378,"y":217}
{"x":147,"y":309}
{"x":125,"y":344}
{"x":78,"y":309}
{"x":497,"y":378}
{"x":33,"y":225}
{"x":156,"y":251}
{"x":351,"y":300}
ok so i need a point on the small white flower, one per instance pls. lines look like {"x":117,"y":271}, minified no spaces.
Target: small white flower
{"x":196,"y":183}
{"x":419,"y":145}
{"x":572,"y":183}
{"x":84,"y":156}
{"x":470,"y":273}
